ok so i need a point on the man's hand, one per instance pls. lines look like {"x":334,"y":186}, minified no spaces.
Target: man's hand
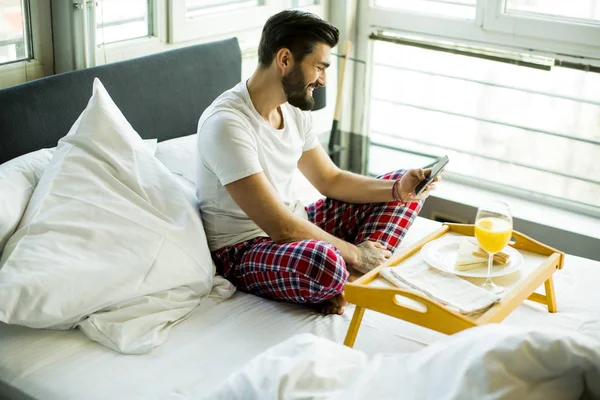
{"x":370,"y":256}
{"x":405,"y":189}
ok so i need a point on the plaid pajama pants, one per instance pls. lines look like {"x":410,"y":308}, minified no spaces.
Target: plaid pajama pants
{"x":312,"y":271}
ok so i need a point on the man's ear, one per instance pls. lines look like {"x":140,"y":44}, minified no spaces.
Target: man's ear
{"x":284,"y":60}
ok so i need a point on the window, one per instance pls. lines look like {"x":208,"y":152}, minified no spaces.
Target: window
{"x":586,"y":11}
{"x":118,"y":20}
{"x":193,"y":19}
{"x":573,"y":22}
{"x":304,"y":3}
{"x":526,"y":126}
{"x":449,"y":8}
{"x":195,"y":8}
{"x":14,"y":31}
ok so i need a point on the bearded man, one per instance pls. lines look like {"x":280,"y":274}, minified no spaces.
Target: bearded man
{"x":250,"y":142}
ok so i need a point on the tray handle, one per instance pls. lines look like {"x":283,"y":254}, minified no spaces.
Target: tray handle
{"x":383,"y":299}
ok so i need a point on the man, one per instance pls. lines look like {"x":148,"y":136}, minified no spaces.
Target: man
{"x":251,"y":140}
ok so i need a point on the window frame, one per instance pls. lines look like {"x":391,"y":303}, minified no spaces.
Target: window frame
{"x":41,"y":62}
{"x":490,"y":27}
{"x":523,"y":25}
{"x":27,"y":34}
{"x":137,"y":47}
{"x":151,"y":8}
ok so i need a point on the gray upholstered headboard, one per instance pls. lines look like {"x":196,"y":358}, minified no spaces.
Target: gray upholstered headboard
{"x":161,"y":95}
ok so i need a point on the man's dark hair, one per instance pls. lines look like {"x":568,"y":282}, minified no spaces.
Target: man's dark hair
{"x":297,"y":31}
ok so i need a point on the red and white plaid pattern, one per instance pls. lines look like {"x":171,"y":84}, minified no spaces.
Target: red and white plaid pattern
{"x":312,"y":271}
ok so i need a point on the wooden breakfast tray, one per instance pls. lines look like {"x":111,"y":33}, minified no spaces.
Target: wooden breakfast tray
{"x":373,"y":292}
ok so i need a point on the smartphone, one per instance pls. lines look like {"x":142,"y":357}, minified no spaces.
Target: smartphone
{"x":436,"y":168}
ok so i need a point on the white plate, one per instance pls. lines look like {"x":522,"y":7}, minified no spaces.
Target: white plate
{"x":441,"y":254}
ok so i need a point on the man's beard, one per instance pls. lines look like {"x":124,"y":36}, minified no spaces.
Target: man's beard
{"x":296,"y":90}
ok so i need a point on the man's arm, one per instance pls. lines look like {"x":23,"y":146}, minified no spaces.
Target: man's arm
{"x":257,"y":198}
{"x":346,"y":186}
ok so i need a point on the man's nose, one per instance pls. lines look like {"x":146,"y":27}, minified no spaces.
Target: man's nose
{"x":322,"y":80}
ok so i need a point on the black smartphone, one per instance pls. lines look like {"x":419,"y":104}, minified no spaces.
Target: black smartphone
{"x":436,"y":168}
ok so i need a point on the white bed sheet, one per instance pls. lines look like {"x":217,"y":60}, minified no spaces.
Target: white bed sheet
{"x":222,"y":335}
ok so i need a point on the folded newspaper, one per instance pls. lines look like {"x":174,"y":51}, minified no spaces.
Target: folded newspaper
{"x":446,"y":288}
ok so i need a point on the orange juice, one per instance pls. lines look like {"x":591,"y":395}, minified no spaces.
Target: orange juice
{"x":492,"y":233}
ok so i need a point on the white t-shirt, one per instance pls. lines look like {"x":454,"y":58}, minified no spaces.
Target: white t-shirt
{"x":234,"y":142}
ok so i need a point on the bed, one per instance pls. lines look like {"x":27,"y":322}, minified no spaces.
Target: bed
{"x":162,"y":96}
{"x":222,"y":335}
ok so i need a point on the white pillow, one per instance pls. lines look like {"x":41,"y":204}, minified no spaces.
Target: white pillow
{"x":107,"y":232}
{"x":18,"y":179}
{"x":151,"y":145}
{"x":179,"y":155}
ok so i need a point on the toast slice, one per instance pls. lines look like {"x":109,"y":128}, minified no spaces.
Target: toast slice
{"x":470,"y":256}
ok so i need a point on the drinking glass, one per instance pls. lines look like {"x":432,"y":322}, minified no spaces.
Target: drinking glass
{"x":493,"y":230}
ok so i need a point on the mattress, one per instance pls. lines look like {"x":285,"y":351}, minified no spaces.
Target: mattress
{"x":222,"y":335}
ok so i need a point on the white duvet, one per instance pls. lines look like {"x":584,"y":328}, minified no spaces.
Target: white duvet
{"x":110,"y":242}
{"x":492,"y":362}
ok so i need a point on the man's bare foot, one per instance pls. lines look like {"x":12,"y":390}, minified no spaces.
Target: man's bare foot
{"x":335,"y":305}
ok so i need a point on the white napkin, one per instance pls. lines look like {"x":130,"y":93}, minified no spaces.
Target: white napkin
{"x":445,"y":288}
